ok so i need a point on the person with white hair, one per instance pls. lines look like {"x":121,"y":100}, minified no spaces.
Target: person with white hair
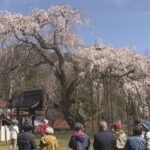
{"x":103,"y":139}
{"x":14,"y":131}
{"x":49,"y":141}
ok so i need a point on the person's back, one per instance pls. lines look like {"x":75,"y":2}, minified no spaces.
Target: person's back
{"x":136,"y":142}
{"x":14,"y":131}
{"x":104,"y":139}
{"x":120,"y":137}
{"x":26,"y":140}
{"x":80,"y":140}
{"x":49,"y":141}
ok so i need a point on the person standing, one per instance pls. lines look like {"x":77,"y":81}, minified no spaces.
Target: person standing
{"x":26,"y":140}
{"x":49,"y":141}
{"x":136,"y":142}
{"x":146,"y":133}
{"x":120,"y":137}
{"x":43,"y":127}
{"x":79,"y":140}
{"x":103,"y":140}
{"x":14,"y":131}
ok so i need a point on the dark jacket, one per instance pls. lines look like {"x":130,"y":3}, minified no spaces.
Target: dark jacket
{"x":26,"y":141}
{"x":135,"y":143}
{"x":79,"y":141}
{"x":103,"y":141}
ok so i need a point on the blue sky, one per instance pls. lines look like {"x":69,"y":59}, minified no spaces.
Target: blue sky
{"x":115,"y":22}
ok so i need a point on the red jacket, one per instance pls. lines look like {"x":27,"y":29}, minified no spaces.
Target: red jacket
{"x":43,"y":128}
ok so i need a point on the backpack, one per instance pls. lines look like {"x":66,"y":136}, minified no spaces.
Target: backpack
{"x":120,"y":140}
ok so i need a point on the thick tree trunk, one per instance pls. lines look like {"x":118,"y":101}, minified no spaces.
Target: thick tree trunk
{"x":70,"y":109}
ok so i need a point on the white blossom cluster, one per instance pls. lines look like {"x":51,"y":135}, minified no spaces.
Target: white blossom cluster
{"x":57,"y":23}
{"x":123,"y":64}
{"x":55,"y":29}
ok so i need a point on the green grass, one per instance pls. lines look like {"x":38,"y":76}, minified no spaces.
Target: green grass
{"x":62,"y":136}
{"x":4,"y":146}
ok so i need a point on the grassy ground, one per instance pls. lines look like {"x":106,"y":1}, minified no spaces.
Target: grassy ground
{"x":62,"y":136}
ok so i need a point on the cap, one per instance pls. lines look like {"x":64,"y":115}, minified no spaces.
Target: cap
{"x":117,"y":126}
{"x":146,"y":125}
{"x":15,"y":121}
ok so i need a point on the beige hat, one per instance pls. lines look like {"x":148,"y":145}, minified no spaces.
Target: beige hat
{"x":49,"y":130}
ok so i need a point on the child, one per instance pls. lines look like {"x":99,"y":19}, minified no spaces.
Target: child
{"x":49,"y":141}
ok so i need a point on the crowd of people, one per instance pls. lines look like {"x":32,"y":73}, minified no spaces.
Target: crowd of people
{"x":26,"y":140}
{"x":116,"y":139}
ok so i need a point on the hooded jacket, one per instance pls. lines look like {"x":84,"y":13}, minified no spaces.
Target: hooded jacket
{"x":50,"y":143}
{"x":79,"y":141}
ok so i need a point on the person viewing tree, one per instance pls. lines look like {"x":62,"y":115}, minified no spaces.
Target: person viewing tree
{"x":103,"y":139}
{"x":48,"y":140}
{"x":14,"y":131}
{"x":79,"y":140}
{"x":120,"y":137}
{"x":26,"y":140}
{"x":136,"y":142}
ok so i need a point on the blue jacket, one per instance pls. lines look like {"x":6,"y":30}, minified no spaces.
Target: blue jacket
{"x":135,"y":143}
{"x":79,"y":142}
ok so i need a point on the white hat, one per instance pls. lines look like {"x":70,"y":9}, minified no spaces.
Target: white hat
{"x":49,"y":130}
{"x":14,"y":121}
{"x":46,"y":121}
